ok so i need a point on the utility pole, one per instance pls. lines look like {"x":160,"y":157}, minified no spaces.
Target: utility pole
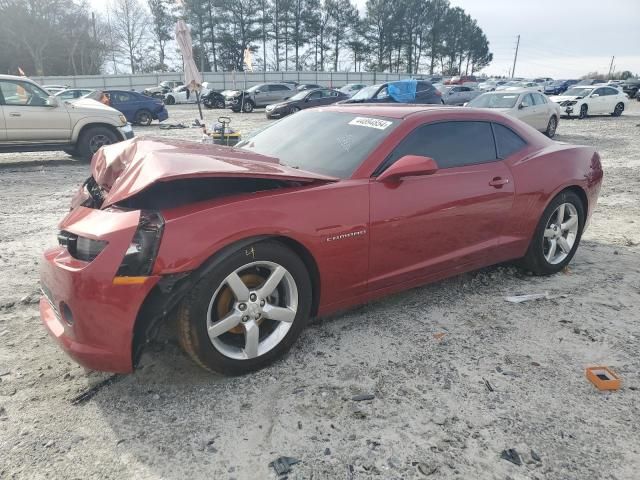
{"x":93,"y":23}
{"x":515,"y":58}
{"x":611,"y":66}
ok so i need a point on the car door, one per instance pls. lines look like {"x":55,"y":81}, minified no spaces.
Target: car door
{"x":314,"y":99}
{"x":541,"y":111}
{"x":598,"y":101}
{"x":30,"y":117}
{"x":3,"y":125}
{"x":282,"y":92}
{"x":611,"y":99}
{"x":526,"y":110}
{"x":423,"y":225}
{"x":121,"y":101}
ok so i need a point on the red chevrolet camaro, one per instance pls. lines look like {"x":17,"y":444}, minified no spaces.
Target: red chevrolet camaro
{"x":325,"y":209}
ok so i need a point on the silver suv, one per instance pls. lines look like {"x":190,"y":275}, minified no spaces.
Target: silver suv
{"x":259,"y":95}
{"x":33,"y":120}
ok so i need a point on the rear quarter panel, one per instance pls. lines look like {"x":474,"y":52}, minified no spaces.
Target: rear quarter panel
{"x":539,"y":176}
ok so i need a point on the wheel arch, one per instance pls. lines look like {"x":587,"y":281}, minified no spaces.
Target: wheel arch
{"x":171,"y":289}
{"x":83,"y":128}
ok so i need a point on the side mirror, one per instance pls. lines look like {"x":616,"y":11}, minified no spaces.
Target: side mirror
{"x":53,"y":101}
{"x":522,"y":105}
{"x":256,"y":91}
{"x":409,"y":166}
{"x":595,"y":95}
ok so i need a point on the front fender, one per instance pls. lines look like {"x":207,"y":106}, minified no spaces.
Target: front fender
{"x":92,"y":120}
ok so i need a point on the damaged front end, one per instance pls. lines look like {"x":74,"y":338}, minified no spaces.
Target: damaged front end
{"x":107,"y":289}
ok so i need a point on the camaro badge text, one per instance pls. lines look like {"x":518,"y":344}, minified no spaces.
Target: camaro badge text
{"x":343,"y":236}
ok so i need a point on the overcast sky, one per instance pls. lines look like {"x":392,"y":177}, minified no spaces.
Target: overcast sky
{"x":558,"y":38}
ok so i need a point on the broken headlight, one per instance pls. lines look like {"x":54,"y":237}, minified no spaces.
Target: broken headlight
{"x":81,"y":248}
{"x":140,"y":256}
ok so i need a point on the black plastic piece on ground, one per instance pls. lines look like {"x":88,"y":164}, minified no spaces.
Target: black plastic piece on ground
{"x":282,"y":465}
{"x":511,"y":455}
{"x":93,"y":391}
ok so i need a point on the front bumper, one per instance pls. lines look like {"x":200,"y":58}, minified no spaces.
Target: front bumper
{"x":126,"y":132}
{"x":92,"y":319}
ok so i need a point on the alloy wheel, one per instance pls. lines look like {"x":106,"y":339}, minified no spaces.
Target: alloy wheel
{"x":251,"y":312}
{"x":551,"y":127}
{"x":560,"y":233}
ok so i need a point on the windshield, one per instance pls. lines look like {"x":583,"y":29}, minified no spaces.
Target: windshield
{"x":329,"y":143}
{"x":558,"y":83}
{"x":494,"y":100}
{"x":578,"y":92}
{"x":366,"y":93}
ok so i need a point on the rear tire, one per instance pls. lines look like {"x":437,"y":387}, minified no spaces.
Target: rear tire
{"x":92,"y":139}
{"x":618,"y":110}
{"x":551,"y":127}
{"x":170,"y":100}
{"x":253,"y":335}
{"x":555,"y":239}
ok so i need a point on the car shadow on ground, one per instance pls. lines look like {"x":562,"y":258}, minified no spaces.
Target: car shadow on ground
{"x":425,"y":353}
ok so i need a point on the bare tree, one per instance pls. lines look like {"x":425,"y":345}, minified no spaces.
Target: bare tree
{"x":129,"y":25}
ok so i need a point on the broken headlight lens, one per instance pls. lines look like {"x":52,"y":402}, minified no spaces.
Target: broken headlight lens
{"x":81,"y":248}
{"x":140,"y":256}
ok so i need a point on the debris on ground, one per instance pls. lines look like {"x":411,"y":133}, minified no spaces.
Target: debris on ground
{"x":93,"y":391}
{"x":603,"y":378}
{"x":425,"y":468}
{"x":511,"y":455}
{"x":535,"y":456}
{"x":282,"y":465}
{"x":439,"y":335}
{"x":362,"y":397}
{"x":533,"y":296}
{"x":488,"y":385}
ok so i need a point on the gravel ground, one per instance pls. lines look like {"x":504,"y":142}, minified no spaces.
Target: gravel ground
{"x":428,"y":357}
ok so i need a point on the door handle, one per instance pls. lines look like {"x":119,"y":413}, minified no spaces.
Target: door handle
{"x":15,"y":114}
{"x":498,"y":182}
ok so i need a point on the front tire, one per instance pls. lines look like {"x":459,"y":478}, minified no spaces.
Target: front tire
{"x":247,"y":311}
{"x":584,"y":112}
{"x":557,"y":235}
{"x":170,"y":100}
{"x":618,"y":110}
{"x":92,"y":139}
{"x":551,"y":127}
{"x":248,"y":106}
{"x":144,"y":117}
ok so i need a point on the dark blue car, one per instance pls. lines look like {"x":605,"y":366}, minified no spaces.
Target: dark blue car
{"x":558,"y":86}
{"x":138,"y":108}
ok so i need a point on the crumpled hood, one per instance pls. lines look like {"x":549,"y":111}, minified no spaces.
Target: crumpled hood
{"x":563,"y":98}
{"x":126,"y":168}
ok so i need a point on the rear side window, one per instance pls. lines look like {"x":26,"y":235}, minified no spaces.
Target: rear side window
{"x":450,"y":144}
{"x":277,"y":88}
{"x":507,"y":141}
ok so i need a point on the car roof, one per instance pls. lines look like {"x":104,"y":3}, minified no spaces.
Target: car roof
{"x":400,"y":112}
{"x":15,"y":77}
{"x":516,"y":91}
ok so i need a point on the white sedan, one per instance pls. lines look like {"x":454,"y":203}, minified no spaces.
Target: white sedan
{"x":532,"y":108}
{"x":182,"y":94}
{"x":592,"y":100}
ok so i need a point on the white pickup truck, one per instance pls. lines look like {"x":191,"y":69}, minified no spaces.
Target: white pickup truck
{"x":33,"y":120}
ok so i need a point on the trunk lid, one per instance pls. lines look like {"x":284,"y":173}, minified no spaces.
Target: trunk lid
{"x":127,"y":168}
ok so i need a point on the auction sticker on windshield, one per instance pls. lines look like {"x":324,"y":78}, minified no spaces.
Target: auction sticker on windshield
{"x":370,"y":122}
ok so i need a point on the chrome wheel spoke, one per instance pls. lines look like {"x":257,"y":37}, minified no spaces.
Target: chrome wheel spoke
{"x":564,"y":245}
{"x":281,"y":314}
{"x":552,"y":250}
{"x":549,"y":233}
{"x":238,"y":287}
{"x":251,"y":339}
{"x":569,"y":224}
{"x":222,"y":326}
{"x":560,"y":215}
{"x":272,"y":282}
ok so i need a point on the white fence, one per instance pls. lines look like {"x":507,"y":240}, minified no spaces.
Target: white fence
{"x":220,"y":80}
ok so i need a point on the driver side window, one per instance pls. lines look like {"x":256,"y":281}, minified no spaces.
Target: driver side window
{"x":23,"y":94}
{"x":382,"y":94}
